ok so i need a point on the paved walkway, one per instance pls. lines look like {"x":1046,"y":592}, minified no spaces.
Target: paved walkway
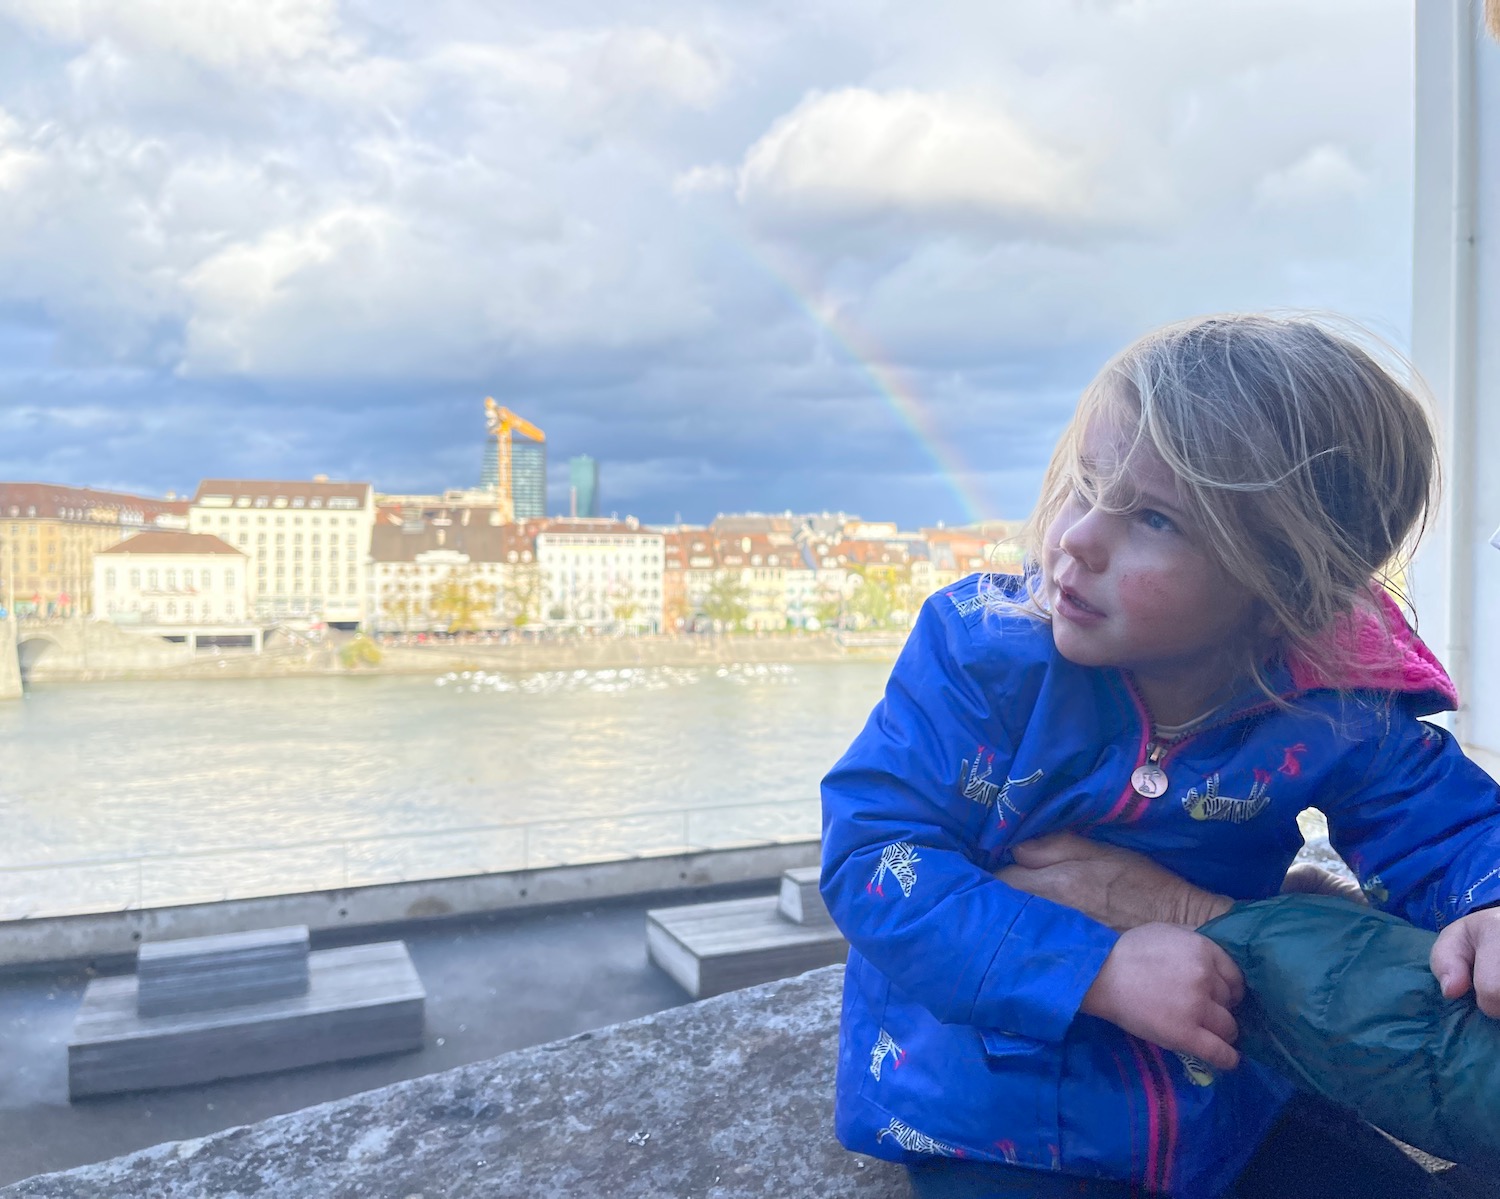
{"x":493,"y":985}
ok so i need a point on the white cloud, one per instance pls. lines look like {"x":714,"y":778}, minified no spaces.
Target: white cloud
{"x":17,"y":161}
{"x":224,"y":34}
{"x":588,"y":70}
{"x":1323,"y":174}
{"x":715,"y":177}
{"x":863,"y":152}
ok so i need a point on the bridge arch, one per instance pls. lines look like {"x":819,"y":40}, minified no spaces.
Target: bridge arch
{"x":31,"y":648}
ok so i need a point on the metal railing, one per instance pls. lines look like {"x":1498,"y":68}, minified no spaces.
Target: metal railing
{"x":124,"y":882}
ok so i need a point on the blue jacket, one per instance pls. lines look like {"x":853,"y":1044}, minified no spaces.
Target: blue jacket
{"x":961,"y":1029}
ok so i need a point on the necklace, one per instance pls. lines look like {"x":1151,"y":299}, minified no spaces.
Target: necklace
{"x":1149,"y":779}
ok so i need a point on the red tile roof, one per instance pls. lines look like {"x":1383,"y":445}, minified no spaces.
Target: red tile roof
{"x":171,"y":541}
{"x":54,"y":501}
{"x":269,"y":489}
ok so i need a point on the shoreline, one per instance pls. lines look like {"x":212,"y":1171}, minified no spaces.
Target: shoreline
{"x":323,"y":659}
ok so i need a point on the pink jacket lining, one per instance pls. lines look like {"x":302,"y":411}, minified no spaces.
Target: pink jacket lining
{"x":1383,"y":654}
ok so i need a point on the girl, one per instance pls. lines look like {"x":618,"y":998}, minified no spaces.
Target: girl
{"x":1198,"y":650}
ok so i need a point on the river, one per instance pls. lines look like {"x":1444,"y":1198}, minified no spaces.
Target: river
{"x":139,"y":794}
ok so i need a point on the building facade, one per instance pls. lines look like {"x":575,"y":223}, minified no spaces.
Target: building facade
{"x":601,"y":575}
{"x":171,"y":578}
{"x":528,"y":476}
{"x":308,"y":543}
{"x":442,"y":568}
{"x":49,"y":535}
{"x":583,"y":486}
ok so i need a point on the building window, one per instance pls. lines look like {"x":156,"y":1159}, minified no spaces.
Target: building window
{"x":109,"y":579}
{"x":205,"y":581}
{"x":151,"y":580}
{"x":171,"y":608}
{"x":229,"y":580}
{"x":171,"y":580}
{"x":135,"y":579}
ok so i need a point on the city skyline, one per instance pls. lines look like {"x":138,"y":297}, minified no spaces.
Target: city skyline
{"x":700,"y":240}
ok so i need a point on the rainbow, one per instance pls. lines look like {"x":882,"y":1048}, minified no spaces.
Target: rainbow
{"x":890,"y":384}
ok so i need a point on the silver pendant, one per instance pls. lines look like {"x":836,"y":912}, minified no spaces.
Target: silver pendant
{"x":1149,"y":780}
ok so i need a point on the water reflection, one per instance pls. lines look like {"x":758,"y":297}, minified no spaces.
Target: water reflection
{"x":598,"y":763}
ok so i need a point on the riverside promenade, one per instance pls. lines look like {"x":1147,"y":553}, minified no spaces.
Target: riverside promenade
{"x":494,"y":984}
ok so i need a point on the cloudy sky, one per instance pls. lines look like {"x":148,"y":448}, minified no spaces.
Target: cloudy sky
{"x":749,"y":254}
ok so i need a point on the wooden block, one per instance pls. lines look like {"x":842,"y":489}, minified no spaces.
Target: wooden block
{"x":710,"y":948}
{"x":361,"y":1000}
{"x":800,"y":902}
{"x":199,"y":973}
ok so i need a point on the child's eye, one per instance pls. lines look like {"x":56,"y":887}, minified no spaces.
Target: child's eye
{"x":1157,"y":520}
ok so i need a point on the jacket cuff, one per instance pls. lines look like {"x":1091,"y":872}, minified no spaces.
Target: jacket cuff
{"x":1483,"y":894}
{"x":1047,"y":961}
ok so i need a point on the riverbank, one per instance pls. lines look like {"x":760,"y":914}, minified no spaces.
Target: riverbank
{"x":300,"y":657}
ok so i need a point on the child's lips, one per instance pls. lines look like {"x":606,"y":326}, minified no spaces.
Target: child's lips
{"x":1075,"y":608}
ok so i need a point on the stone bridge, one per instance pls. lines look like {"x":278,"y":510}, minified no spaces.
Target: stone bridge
{"x":77,"y":649}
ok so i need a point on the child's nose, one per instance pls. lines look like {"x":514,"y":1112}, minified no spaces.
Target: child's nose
{"x":1084,"y":540}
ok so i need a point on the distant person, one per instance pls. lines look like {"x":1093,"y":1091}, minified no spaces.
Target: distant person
{"x":1201,"y":645}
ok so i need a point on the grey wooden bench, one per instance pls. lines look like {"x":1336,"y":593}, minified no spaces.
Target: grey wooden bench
{"x":710,"y":948}
{"x":205,"y":1008}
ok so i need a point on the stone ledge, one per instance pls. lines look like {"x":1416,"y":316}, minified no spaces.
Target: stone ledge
{"x":724,"y":1099}
{"x":730,"y":1098}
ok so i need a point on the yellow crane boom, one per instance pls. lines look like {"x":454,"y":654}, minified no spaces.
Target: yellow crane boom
{"x":501,"y":423}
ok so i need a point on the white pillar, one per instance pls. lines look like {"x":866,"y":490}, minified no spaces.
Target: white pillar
{"x":1456,"y":348}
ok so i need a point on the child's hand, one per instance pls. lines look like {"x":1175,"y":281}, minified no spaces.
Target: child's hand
{"x":1169,"y":985}
{"x":1467,"y":953}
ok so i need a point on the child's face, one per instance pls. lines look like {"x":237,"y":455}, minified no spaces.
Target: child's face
{"x":1136,"y":589}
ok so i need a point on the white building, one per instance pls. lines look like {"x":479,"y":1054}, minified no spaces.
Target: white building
{"x":601,"y":574}
{"x":308,"y":543}
{"x":169,"y":578}
{"x":1455,"y":313}
{"x":416,"y":554}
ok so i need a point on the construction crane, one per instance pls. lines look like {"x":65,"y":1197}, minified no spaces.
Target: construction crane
{"x":501,"y":423}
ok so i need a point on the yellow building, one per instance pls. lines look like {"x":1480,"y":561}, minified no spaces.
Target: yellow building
{"x":49,"y":535}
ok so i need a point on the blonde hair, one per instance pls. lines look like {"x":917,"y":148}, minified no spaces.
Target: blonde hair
{"x":1306,"y":465}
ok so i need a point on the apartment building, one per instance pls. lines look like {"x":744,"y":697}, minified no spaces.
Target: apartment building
{"x":427,"y":563}
{"x":601,"y":575}
{"x":308,"y":543}
{"x":170,"y":577}
{"x":49,"y":535}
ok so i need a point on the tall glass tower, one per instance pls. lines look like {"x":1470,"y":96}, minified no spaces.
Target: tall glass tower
{"x":528,"y":478}
{"x":583,"y":484}
{"x":528,"y":475}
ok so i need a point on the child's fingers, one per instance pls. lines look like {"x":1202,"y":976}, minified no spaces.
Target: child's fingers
{"x":1452,"y":960}
{"x":1217,"y":1052}
{"x":1229,"y":974}
{"x":1221,"y":1024}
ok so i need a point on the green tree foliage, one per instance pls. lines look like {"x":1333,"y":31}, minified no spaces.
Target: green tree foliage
{"x":464,"y":603}
{"x":358,"y":651}
{"x":727,"y":603}
{"x":521,"y":595}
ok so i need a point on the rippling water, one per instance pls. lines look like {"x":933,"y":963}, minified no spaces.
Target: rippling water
{"x":200,"y":786}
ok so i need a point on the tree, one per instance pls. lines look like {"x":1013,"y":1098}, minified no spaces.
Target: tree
{"x":880,"y":592}
{"x":727,"y":603}
{"x":622,"y":602}
{"x":464,"y":602}
{"x":521,"y":596}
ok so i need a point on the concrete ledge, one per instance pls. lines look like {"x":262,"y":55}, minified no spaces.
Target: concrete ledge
{"x":725,"y":1099}
{"x":110,"y":934}
{"x":730,"y":1098}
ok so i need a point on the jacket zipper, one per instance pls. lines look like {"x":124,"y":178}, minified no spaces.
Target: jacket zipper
{"x":1159,"y":753}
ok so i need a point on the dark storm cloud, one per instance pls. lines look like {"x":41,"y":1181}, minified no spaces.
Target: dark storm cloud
{"x":687,"y":238}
